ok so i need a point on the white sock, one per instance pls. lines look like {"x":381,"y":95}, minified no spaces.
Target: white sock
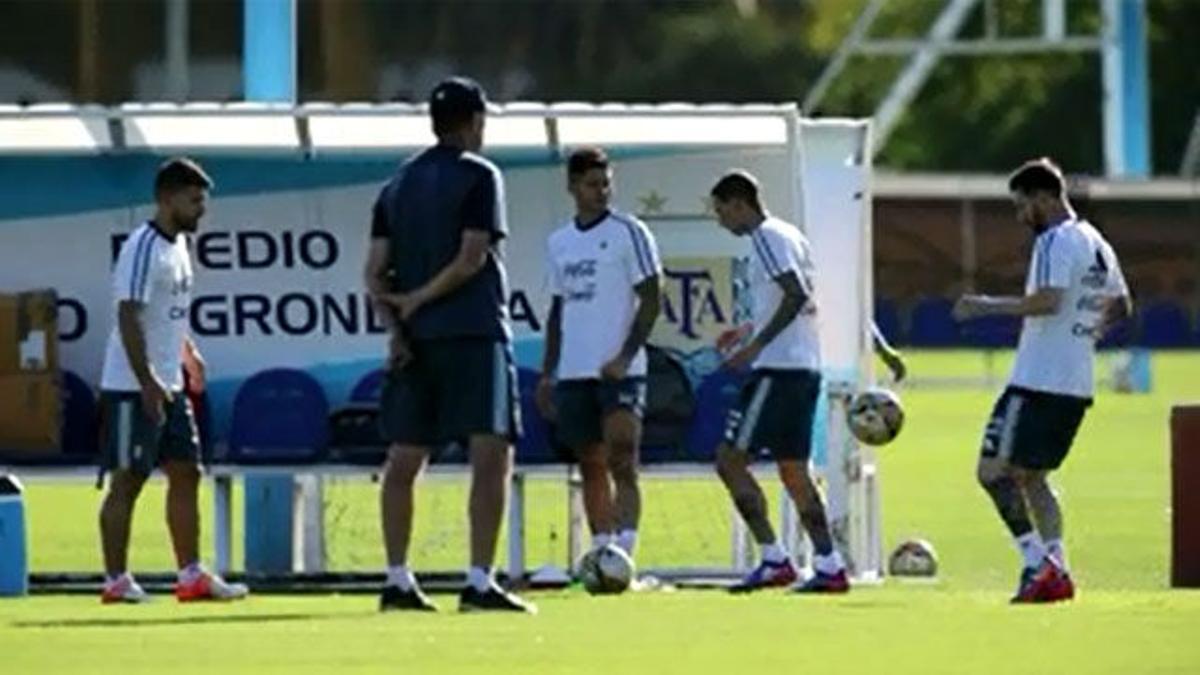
{"x":190,"y":571}
{"x":627,"y":539}
{"x":1054,"y":549}
{"x":774,"y":553}
{"x":113,"y":579}
{"x":401,"y":577}
{"x":829,"y":564}
{"x":601,"y":539}
{"x":480,"y":578}
{"x":1031,"y":548}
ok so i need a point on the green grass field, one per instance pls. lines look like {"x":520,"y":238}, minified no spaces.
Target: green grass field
{"x":1115,"y":491}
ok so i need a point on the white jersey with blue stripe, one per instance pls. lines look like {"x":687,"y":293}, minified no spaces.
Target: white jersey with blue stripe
{"x":155,"y":272}
{"x":594,"y":268}
{"x":777,"y":248}
{"x":1055,"y":351}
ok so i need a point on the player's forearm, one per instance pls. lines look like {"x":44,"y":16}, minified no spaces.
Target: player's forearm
{"x":553,"y":347}
{"x":649,"y":306}
{"x":450,"y":278}
{"x":1037,"y":304}
{"x":787,"y":311}
{"x":133,"y":339}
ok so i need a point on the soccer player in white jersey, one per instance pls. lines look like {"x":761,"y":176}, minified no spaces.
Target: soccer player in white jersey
{"x":777,"y":403}
{"x":604,"y":276}
{"x":148,"y":421}
{"x":1073,"y":292}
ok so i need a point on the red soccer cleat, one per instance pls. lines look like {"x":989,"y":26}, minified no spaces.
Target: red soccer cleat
{"x":208,"y":586}
{"x":767,"y":575}
{"x":821,"y":582}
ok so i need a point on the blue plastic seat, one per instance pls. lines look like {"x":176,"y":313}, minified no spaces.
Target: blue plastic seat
{"x":1164,"y":324}
{"x":279,"y":416}
{"x":887,"y":319}
{"x":933,"y":325}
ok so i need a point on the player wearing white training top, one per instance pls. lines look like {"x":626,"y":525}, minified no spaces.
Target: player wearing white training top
{"x":778,"y":401}
{"x":1074,"y":291}
{"x":148,"y":421}
{"x":604,"y":276}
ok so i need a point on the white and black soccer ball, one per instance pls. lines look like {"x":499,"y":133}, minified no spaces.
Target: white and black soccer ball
{"x":913,"y":558}
{"x":606,"y":570}
{"x":875,"y":416}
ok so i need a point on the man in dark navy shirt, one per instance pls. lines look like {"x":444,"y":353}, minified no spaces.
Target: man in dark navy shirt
{"x":435,"y":265}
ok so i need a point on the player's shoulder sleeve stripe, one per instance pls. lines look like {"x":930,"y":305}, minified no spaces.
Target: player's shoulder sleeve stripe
{"x":1043,"y":276}
{"x":641,"y":248}
{"x":141,"y":262}
{"x":763,"y":247}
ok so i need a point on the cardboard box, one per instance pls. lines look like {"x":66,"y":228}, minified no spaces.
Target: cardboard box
{"x":29,"y":332}
{"x":30,"y":412}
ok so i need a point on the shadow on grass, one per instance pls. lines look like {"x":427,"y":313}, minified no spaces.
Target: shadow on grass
{"x":173,"y":620}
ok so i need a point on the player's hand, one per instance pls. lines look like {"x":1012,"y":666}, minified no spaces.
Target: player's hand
{"x":616,"y":369}
{"x":196,"y":370}
{"x":399,"y":352}
{"x":544,"y":397}
{"x":729,"y":339}
{"x":403,"y":304}
{"x":742,"y":358}
{"x":895,"y":363}
{"x":969,"y":307}
{"x":154,"y":400}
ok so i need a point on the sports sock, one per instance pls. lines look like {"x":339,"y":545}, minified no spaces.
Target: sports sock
{"x":480,"y":578}
{"x":773,"y":553}
{"x":1031,"y":548}
{"x":401,"y":577}
{"x":190,"y":571}
{"x":113,"y":579}
{"x":627,"y":540}
{"x":829,"y":564}
{"x":601,"y":539}
{"x":1057,"y":553}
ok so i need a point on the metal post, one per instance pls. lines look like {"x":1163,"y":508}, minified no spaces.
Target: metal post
{"x":223,"y":523}
{"x":1126,"y":101}
{"x":176,"y":67}
{"x":516,"y":528}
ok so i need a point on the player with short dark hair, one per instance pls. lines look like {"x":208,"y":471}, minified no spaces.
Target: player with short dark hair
{"x":148,"y":420}
{"x":1073,"y":292}
{"x":436,"y":265}
{"x":604,"y":275}
{"x":777,"y":403}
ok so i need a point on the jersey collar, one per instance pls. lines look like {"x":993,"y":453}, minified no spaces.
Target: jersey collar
{"x":584,"y":227}
{"x":154,"y":226}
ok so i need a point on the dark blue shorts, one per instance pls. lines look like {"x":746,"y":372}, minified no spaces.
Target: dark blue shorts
{"x":131,"y":441}
{"x":775,"y":413}
{"x":583,"y":406}
{"x":452,"y":389}
{"x":1033,"y":429}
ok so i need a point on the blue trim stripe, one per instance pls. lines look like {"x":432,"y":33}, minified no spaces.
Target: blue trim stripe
{"x":645,"y":263}
{"x":770,"y":253}
{"x":759,"y":245}
{"x":1043,"y":278}
{"x":141,"y":259}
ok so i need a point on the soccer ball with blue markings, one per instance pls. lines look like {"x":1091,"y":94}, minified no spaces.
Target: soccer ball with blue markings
{"x":875,"y":416}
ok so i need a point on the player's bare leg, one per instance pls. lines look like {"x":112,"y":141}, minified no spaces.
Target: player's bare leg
{"x":400,"y":472}
{"x":622,"y":436}
{"x":997,"y":478}
{"x":183,"y":513}
{"x":830,"y":569}
{"x":116,"y":515}
{"x":776,"y":567}
{"x":183,"y":521}
{"x":1047,"y":518}
{"x":491,"y":465}
{"x":597,"y":492}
